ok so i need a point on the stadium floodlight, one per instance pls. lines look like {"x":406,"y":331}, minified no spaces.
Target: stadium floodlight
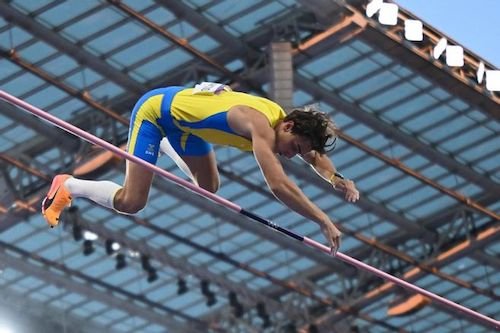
{"x":440,"y":48}
{"x":454,"y":56}
{"x":493,"y":80}
{"x":414,"y":30}
{"x":88,"y":235}
{"x":480,"y":73}
{"x":111,"y":246}
{"x":120,"y":261}
{"x":388,"y":14}
{"x":88,"y":247}
{"x":373,"y":7}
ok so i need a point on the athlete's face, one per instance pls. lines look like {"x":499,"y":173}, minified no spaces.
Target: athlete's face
{"x":289,"y":144}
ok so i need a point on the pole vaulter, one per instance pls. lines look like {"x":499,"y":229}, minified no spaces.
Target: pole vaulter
{"x":232,"y":206}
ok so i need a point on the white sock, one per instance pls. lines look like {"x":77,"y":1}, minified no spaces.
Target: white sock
{"x":102,"y":191}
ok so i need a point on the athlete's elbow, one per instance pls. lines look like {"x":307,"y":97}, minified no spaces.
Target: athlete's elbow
{"x":279,"y":188}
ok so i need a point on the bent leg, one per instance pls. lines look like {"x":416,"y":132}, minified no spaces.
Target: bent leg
{"x":143,"y":142}
{"x":134,"y":195}
{"x":204,"y":170}
{"x":199,"y":157}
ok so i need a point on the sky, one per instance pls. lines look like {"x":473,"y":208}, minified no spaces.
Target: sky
{"x":474,"y":24}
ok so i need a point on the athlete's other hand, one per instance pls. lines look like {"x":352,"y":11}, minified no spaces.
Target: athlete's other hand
{"x":333,"y":236}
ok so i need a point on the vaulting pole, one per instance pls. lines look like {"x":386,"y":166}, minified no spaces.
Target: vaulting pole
{"x":230,"y":205}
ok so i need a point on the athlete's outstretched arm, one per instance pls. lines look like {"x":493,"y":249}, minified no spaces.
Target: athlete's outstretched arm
{"x":324,"y":168}
{"x":248,"y":122}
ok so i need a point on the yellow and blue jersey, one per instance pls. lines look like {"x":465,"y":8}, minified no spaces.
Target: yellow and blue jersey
{"x":191,"y":122}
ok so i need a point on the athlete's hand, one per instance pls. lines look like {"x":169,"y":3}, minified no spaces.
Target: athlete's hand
{"x":351,"y":192}
{"x":333,"y":235}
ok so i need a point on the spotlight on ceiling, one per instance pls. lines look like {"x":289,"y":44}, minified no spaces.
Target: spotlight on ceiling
{"x":209,"y":295}
{"x":77,"y":233}
{"x":111,"y":246}
{"x":89,"y":235}
{"x":262,"y":313}
{"x":152,"y":275}
{"x":236,"y":307}
{"x":146,"y":266}
{"x":181,"y":286}
{"x":120,"y":261}
{"x":88,"y":247}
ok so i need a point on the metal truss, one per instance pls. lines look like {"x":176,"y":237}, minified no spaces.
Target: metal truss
{"x":479,"y":240}
{"x":374,"y":123}
{"x":65,"y":278}
{"x":250,"y":296}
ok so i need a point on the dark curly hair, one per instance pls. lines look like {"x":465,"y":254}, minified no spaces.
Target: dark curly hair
{"x":315,"y":126}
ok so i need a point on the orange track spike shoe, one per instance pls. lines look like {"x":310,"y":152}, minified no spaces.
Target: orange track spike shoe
{"x":56,"y":200}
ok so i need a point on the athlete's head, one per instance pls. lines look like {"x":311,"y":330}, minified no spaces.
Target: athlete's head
{"x":305,"y":129}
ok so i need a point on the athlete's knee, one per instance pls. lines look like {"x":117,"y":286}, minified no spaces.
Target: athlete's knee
{"x":210,"y":185}
{"x":129,"y":205}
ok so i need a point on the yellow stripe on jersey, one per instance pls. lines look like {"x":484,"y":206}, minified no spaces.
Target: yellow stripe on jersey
{"x":149,"y":111}
{"x":205,"y":115}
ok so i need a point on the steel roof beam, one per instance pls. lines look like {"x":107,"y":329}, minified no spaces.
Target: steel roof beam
{"x":71,"y":143}
{"x":481,"y":239}
{"x":373,"y":241}
{"x":370,"y":120}
{"x":205,"y":205}
{"x":365,"y":204}
{"x":373,"y":122}
{"x":183,"y":266}
{"x":182,"y":43}
{"x":188,"y":14}
{"x":22,"y":261}
{"x":184,"y":194}
{"x":487,"y":260}
{"x":398,"y":136}
{"x":432,"y":223}
{"x":64,"y":45}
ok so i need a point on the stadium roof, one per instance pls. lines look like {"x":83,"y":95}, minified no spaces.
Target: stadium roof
{"x":420,"y":139}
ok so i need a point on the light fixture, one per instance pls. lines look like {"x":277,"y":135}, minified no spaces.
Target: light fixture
{"x":88,"y":247}
{"x":237,"y":308}
{"x":146,"y":266}
{"x":111,"y":246}
{"x":77,"y":233}
{"x":262,"y":313}
{"x":493,"y":80}
{"x":120,"y":261}
{"x":181,"y":286}
{"x":373,"y":7}
{"x":454,"y":56}
{"x":209,"y":295}
{"x":414,"y":30}
{"x":89,"y":235}
{"x":133,"y":254}
{"x":388,"y":14}
{"x":152,"y":275}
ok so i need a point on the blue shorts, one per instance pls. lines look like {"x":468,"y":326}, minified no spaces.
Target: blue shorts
{"x":151,"y":121}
